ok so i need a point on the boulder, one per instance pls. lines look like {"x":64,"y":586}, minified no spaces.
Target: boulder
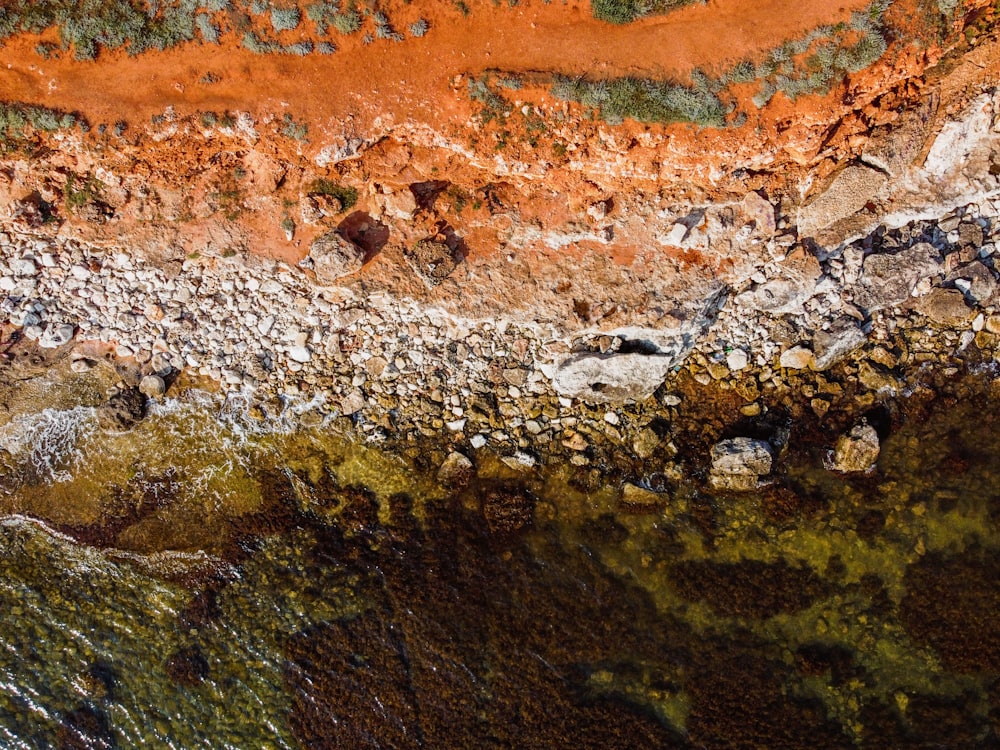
{"x":796,"y":358}
{"x":848,"y":194}
{"x":608,"y":378}
{"x":432,"y":261}
{"x":945,"y":308}
{"x":888,"y":280}
{"x":332,"y":257}
{"x":794,"y":284}
{"x":857,"y":450}
{"x":152,"y":386}
{"x":738,"y":463}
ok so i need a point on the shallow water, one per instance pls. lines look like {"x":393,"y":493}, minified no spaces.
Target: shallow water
{"x":219,"y":578}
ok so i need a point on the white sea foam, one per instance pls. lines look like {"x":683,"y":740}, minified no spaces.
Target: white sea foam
{"x":45,"y":444}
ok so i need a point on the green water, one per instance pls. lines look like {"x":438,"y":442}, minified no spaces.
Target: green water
{"x":220,"y":577}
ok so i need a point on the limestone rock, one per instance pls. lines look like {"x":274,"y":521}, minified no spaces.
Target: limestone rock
{"x":332,"y":257}
{"x":760,"y":211}
{"x":836,"y":344}
{"x":795,"y":284}
{"x":456,"y":471}
{"x":857,"y":450}
{"x":888,"y":280}
{"x":848,"y":194}
{"x":608,"y":378}
{"x":742,"y":455}
{"x":738,"y":463}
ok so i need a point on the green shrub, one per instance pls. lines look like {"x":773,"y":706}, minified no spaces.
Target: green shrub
{"x":645,"y":101}
{"x":325,"y":48}
{"x":347,"y":196}
{"x":347,"y":22}
{"x":300,"y":49}
{"x":294,"y":130}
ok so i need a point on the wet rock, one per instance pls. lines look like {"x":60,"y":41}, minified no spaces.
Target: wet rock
{"x":56,"y":335}
{"x":888,"y":280}
{"x":456,"y":471}
{"x":152,"y":386}
{"x":837,"y":343}
{"x":432,"y":261}
{"x":635,"y":499}
{"x":857,"y":450}
{"x":737,"y":463}
{"x":507,"y":508}
{"x":332,"y":257}
{"x":123,"y":410}
{"x":946,"y":308}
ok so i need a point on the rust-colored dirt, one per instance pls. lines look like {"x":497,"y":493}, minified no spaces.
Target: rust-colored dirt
{"x":411,"y":79}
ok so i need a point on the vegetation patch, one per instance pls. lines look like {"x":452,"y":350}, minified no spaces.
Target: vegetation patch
{"x":626,"y":11}
{"x":347,"y":196}
{"x":645,"y":100}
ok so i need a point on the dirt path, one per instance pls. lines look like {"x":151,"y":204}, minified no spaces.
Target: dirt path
{"x":408,"y":80}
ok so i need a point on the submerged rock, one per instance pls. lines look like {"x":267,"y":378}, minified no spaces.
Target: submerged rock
{"x":507,"y":508}
{"x":739,"y":462}
{"x":456,"y":471}
{"x":122,"y":410}
{"x":857,"y":450}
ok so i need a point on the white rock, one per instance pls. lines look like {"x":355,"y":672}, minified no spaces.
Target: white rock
{"x":736,"y":360}
{"x":299,"y":354}
{"x":23,"y":267}
{"x":56,"y":335}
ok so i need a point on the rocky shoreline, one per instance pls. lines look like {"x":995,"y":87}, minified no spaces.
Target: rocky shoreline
{"x":836,"y":332}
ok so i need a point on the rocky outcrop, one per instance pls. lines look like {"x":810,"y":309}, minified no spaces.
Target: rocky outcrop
{"x":331,"y":258}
